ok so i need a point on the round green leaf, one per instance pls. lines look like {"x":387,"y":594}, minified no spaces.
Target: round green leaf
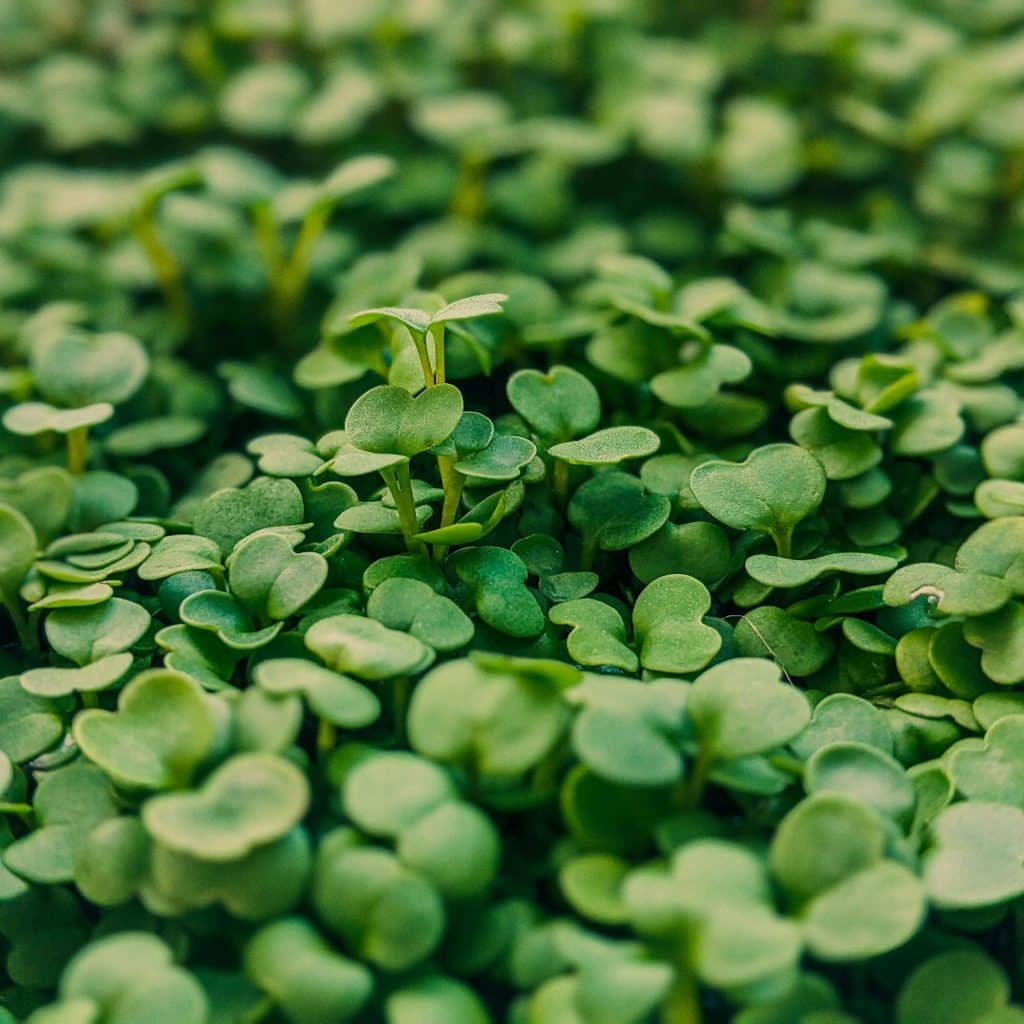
{"x":250,"y":800}
{"x":608,"y":447}
{"x":741,"y":707}
{"x":865,"y":915}
{"x":162,"y":730}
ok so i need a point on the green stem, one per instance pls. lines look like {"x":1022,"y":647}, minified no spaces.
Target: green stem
{"x":25,"y":634}
{"x":400,"y":485}
{"x":468,"y":197}
{"x":294,"y":275}
{"x":693,"y":789}
{"x":19,"y":809}
{"x":682,"y":1006}
{"x":400,"y":693}
{"x":587,"y":553}
{"x":326,"y":737}
{"x":560,"y":482}
{"x":453,"y":482}
{"x":78,"y":450}
{"x":268,"y":240}
{"x":165,"y":265}
{"x":437,"y":335}
{"x":783,"y":538}
{"x":420,"y":341}
{"x":260,"y":1012}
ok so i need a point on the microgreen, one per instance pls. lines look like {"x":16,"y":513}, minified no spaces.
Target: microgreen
{"x":511,"y":515}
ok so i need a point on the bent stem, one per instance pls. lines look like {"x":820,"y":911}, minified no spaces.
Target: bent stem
{"x":268,"y":240}
{"x":294,"y":275}
{"x":399,"y":483}
{"x":436,"y":333}
{"x":165,"y":265}
{"x":78,"y":451}
{"x":453,"y":483}
{"x":420,"y":342}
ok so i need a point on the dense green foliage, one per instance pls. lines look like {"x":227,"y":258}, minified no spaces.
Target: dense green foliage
{"x":512,"y":512}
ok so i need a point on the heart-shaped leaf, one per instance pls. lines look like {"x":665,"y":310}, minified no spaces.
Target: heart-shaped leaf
{"x":331,"y":696}
{"x":503,"y":714}
{"x":415,"y":607}
{"x":288,"y":455}
{"x":844,"y":717}
{"x":181,"y":552}
{"x":28,"y":724}
{"x":84,"y":635}
{"x":198,"y":654}
{"x":161,"y":732}
{"x":270,"y":580}
{"x":43,"y":495}
{"x":951,"y":592}
{"x":496,"y":581}
{"x":667,"y":619}
{"x":270,"y":881}
{"x":228,"y":515}
{"x":502,"y":459}
{"x":304,"y":975}
{"x":870,"y":913}
{"x":558,"y":405}
{"x":388,"y":420}
{"x":365,"y":648}
{"x":61,"y":682}
{"x":1000,"y":636}
{"x":776,"y":488}
{"x":741,"y":707}
{"x":995,"y":771}
{"x":865,"y":772}
{"x":435,"y":998}
{"x":249,"y":801}
{"x":220,"y":614}
{"x":825,"y":839}
{"x":388,"y":792}
{"x":598,"y":634}
{"x":391,"y":915}
{"x":696,"y":549}
{"x":613,"y":511}
{"x":960,"y":984}
{"x":129,"y":975}
{"x":630,"y":733}
{"x":30,"y":418}
{"x":975,"y":858}
{"x":996,"y":549}
{"x":776,"y":571}
{"x":843,"y":453}
{"x":699,"y":378}
{"x":771,"y":632}
{"x":608,"y":447}
{"x":73,"y":368}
